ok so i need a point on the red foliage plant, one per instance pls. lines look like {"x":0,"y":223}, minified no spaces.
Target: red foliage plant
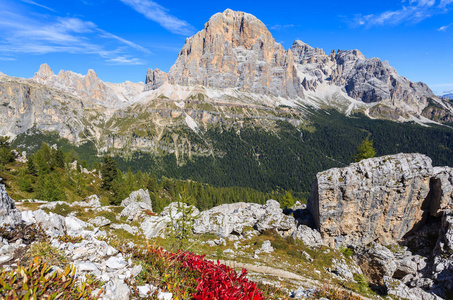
{"x":217,"y":281}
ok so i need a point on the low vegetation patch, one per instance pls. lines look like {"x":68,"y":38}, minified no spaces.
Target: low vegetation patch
{"x":188,"y":275}
{"x":39,"y":281}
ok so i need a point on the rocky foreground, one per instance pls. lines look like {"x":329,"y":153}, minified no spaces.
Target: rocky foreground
{"x":391,"y":217}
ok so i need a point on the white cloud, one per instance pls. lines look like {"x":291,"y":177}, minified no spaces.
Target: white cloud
{"x":37,"y":4}
{"x":412,"y":11}
{"x":121,"y":60}
{"x":155,"y":12}
{"x":7,"y":58}
{"x":281,"y":27}
{"x":21,"y":34}
{"x":444,"y":28}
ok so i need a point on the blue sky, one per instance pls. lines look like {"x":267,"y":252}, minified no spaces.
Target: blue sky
{"x":120,"y":39}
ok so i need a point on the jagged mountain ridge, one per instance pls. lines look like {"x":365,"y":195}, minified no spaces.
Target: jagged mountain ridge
{"x":231,"y":72}
{"x":236,"y":50}
{"x":89,"y":86}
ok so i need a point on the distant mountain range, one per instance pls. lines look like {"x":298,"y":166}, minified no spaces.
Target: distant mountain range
{"x":229,"y":76}
{"x":448,"y":94}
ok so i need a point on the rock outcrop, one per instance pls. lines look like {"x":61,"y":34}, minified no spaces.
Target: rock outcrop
{"x":236,"y":50}
{"x":9,"y":214}
{"x":375,"y":200}
{"x":88,"y":86}
{"x":155,"y":79}
{"x":135,"y":204}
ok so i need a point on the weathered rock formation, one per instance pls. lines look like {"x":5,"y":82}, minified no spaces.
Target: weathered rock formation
{"x":379,"y":199}
{"x":155,"y":79}
{"x":365,"y":79}
{"x":88,"y":86}
{"x":236,"y":50}
{"x":9,"y":214}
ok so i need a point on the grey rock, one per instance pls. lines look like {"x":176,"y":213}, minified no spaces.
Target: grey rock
{"x":376,"y":262}
{"x":442,"y":186}
{"x":155,"y":79}
{"x":125,"y":227}
{"x":155,"y":226}
{"x":398,"y":289}
{"x":90,"y":201}
{"x":5,"y":258}
{"x":309,"y":236}
{"x":134,"y":211}
{"x":53,"y":224}
{"x":74,"y":226}
{"x":141,"y":196}
{"x":86,"y":266}
{"x":116,"y":289}
{"x":99,"y":221}
{"x":378,"y":199}
{"x":116,"y":262}
{"x":227,"y":219}
{"x":266,"y":247}
{"x":9,"y":214}
{"x":135,"y":204}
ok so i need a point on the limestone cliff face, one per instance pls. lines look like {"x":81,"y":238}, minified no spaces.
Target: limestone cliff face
{"x":25,"y":105}
{"x":88,"y":86}
{"x":366,"y":79}
{"x":155,"y":79}
{"x":379,"y":199}
{"x":236,"y":50}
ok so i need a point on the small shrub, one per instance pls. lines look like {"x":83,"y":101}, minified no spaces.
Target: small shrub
{"x":347,"y":252}
{"x":334,"y":293}
{"x":47,"y":253}
{"x":70,"y":239}
{"x":362,"y":283}
{"x":38,"y":281}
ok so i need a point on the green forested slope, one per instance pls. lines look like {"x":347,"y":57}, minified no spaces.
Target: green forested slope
{"x":285,"y":156}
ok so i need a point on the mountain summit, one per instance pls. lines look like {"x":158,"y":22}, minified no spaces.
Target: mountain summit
{"x":236,"y":50}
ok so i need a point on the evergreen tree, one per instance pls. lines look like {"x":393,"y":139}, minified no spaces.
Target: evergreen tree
{"x":49,"y":188}
{"x":109,"y":172}
{"x":365,"y":150}
{"x":31,"y":168}
{"x":6,"y":155}
{"x":58,"y":159}
{"x":288,"y":200}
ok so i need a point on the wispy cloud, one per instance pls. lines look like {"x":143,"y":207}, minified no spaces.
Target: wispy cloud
{"x":412,"y":11}
{"x":444,"y":28}
{"x":122,"y":60}
{"x":281,"y":27}
{"x":7,"y":58}
{"x":33,"y":35}
{"x":157,"y":13}
{"x":37,"y":4}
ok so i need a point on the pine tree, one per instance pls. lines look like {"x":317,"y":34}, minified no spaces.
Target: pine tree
{"x":109,"y":172}
{"x":288,"y":200}
{"x":365,"y":150}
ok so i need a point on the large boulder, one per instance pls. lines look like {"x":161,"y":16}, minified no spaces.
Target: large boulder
{"x":441,"y":190}
{"x":9,"y":214}
{"x":375,"y":200}
{"x":135,"y":204}
{"x":229,"y":219}
{"x":157,"y":226}
{"x":141,"y":196}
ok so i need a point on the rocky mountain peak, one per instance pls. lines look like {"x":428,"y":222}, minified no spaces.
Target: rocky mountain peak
{"x":236,"y":50}
{"x":88,"y":86}
{"x":304,"y":52}
{"x":238,"y":28}
{"x":92,"y":75}
{"x":44,"y":72}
